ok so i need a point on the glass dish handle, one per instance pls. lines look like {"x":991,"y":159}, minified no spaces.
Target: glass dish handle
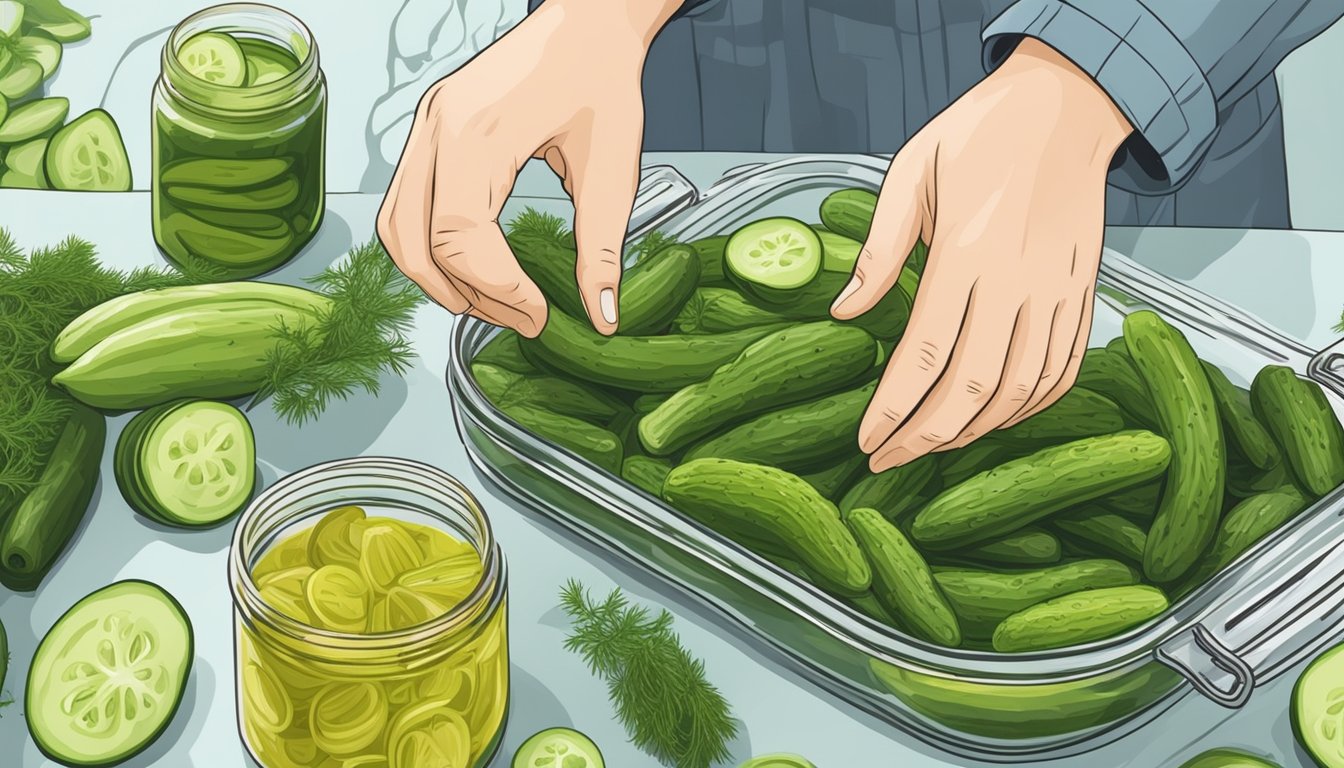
{"x":662,"y":193}
{"x":1327,"y":368}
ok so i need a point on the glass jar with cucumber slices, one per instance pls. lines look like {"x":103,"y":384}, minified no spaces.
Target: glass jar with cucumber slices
{"x":371,"y":605}
{"x":239,"y":133}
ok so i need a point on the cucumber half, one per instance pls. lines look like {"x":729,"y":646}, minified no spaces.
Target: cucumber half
{"x":188,"y":463}
{"x":778,"y":253}
{"x":558,"y":748}
{"x":1318,"y":700}
{"x":88,"y":155}
{"x":109,"y":675}
{"x":215,"y":58}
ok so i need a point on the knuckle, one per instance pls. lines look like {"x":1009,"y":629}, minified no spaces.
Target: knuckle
{"x":930,"y":356}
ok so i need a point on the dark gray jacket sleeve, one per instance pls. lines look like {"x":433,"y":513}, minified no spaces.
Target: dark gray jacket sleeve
{"x":1172,"y":67}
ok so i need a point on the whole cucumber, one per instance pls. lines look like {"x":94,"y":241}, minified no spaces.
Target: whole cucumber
{"x":1244,"y":480}
{"x":774,"y":506}
{"x":796,"y":438}
{"x":1079,"y":617}
{"x":506,"y":389}
{"x":830,"y":481}
{"x":596,"y":444}
{"x":654,"y":290}
{"x":1227,"y":758}
{"x":1012,"y":495}
{"x":646,"y":403}
{"x":1111,"y":533}
{"x":637,"y":363}
{"x":646,"y":472}
{"x":1301,"y":420}
{"x":893,"y":492}
{"x":785,"y":367}
{"x":1113,"y":375}
{"x":1079,"y":413}
{"x":849,"y":212}
{"x":902,"y":580}
{"x":1137,"y":503}
{"x":982,"y":455}
{"x":1028,"y":546}
{"x":42,"y":525}
{"x":543,"y":252}
{"x":718,"y":310}
{"x":505,"y":351}
{"x":1248,"y":522}
{"x":1243,"y":431}
{"x":981,"y":599}
{"x":710,"y":250}
{"x":121,"y":313}
{"x":1187,"y":416}
{"x":215,"y":351}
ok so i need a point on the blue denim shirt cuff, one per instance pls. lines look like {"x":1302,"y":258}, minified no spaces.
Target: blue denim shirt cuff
{"x":1142,"y":66}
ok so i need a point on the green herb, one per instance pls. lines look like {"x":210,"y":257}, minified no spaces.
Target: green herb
{"x":351,"y":344}
{"x":1340,"y":327}
{"x":659,"y":690}
{"x":539,"y":224}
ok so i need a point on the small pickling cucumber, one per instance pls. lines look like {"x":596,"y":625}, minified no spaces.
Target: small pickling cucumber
{"x":558,"y":748}
{"x":1187,"y":415}
{"x":716,"y":310}
{"x":893,"y":492}
{"x":1108,"y":532}
{"x":647,"y":403}
{"x":215,"y":58}
{"x":774,"y":506}
{"x":1315,"y":709}
{"x":1246,"y":523}
{"x":1244,"y":433}
{"x":646,"y":472}
{"x":849,"y":212}
{"x":638,"y":363}
{"x":655,"y":290}
{"x":1227,"y":758}
{"x":831,"y":481}
{"x":870,"y":606}
{"x":959,"y":465}
{"x":710,"y":250}
{"x":1113,"y":375}
{"x":33,"y":119}
{"x":596,"y":444}
{"x":1137,"y":503}
{"x":1079,"y":413}
{"x":88,"y":155}
{"x":983,"y":598}
{"x":785,"y":367}
{"x":1243,"y":480}
{"x":1028,"y":546}
{"x":507,"y":389}
{"x":1019,"y":492}
{"x":902,"y":580}
{"x":505,"y":351}
{"x":1301,"y":420}
{"x":838,"y":253}
{"x":545,"y":251}
{"x":1078,"y":617}
{"x":773,"y":256}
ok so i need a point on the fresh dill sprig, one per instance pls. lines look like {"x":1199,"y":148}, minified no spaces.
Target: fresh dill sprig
{"x":648,"y":245}
{"x":360,"y":335}
{"x":539,"y":224}
{"x":1340,"y":327}
{"x":658,"y":689}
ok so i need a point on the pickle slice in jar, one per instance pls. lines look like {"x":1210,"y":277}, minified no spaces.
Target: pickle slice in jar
{"x":387,"y":550}
{"x":447,"y":581}
{"x":334,"y":540}
{"x":269,"y":197}
{"x":283,"y":590}
{"x":215,"y":58}
{"x":267,"y":702}
{"x":558,"y":748}
{"x":402,"y":609}
{"x":225,"y":173}
{"x":429,"y":735}
{"x":347,"y":717}
{"x":222,"y":245}
{"x":266,"y":62}
{"x":337,"y":598}
{"x":289,"y":552}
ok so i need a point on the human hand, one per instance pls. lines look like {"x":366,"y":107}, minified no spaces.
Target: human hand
{"x":564,"y":86}
{"x":1007,"y":186}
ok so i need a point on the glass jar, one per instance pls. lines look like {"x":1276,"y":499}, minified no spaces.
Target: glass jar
{"x":239,"y":113}
{"x":434,"y":694}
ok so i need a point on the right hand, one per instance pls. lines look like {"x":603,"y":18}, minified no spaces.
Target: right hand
{"x":563,"y":86}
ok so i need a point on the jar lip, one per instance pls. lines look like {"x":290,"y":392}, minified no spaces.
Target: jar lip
{"x":488,"y":590}
{"x":276,"y":94}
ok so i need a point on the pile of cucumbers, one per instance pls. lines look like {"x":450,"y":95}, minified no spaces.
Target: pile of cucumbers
{"x":730,"y":394}
{"x":39,"y":149}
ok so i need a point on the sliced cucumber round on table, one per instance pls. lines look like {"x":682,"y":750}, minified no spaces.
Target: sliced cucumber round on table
{"x":215,"y":58}
{"x":22,"y":78}
{"x":109,"y":675}
{"x":188,"y":463}
{"x":33,"y":119}
{"x":88,"y":155}
{"x":558,"y":748}
{"x":778,"y":253}
{"x":1318,"y":700}
{"x":45,"y":51}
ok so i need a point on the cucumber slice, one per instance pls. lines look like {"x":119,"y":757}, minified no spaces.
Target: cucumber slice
{"x":88,"y":155}
{"x":266,"y":62}
{"x":227,"y":174}
{"x":778,"y":253}
{"x":267,"y":198}
{"x":215,"y":58}
{"x":779,"y":760}
{"x":61,"y":23}
{"x":11,"y":18}
{"x":15,"y":180}
{"x":558,"y":748}
{"x":259,"y":224}
{"x":1317,"y":700}
{"x":66,"y":31}
{"x":22,"y":78}
{"x":224,"y":245}
{"x":188,"y":463}
{"x":109,"y":675}
{"x":26,"y":158}
{"x":45,"y":51}
{"x":838,"y":253}
{"x":36,"y":118}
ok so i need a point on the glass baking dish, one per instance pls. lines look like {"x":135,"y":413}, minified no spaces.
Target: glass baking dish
{"x":1273,"y":606}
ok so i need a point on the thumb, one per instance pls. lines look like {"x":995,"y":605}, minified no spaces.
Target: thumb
{"x":604,"y":193}
{"x":895,"y":230}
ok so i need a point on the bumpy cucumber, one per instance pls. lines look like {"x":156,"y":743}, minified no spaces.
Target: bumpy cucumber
{"x":871,"y":606}
{"x":506,"y":389}
{"x":799,"y":438}
{"x":1250,"y":521}
{"x":646,"y":472}
{"x":716,"y":310}
{"x":902,"y":581}
{"x":647,"y":403}
{"x":505,"y":351}
{"x":982,"y":599}
{"x":849,"y":212}
{"x":1079,"y":617}
{"x":831,"y":481}
{"x":1137,"y":503}
{"x":1079,"y":413}
{"x":596,"y":444}
{"x":813,"y":301}
{"x":1227,"y":758}
{"x":961,"y":464}
{"x":1106,"y":531}
{"x":638,"y":363}
{"x":1113,"y":375}
{"x":1244,"y":481}
{"x":1029,"y":546}
{"x":1187,"y":416}
{"x":769,"y":504}
{"x":1300,"y":419}
{"x":710,"y":250}
{"x":654,"y":290}
{"x":893,"y":492}
{"x":1012,"y":495}
{"x":788,"y":366}
{"x":549,"y":260}
{"x":1243,"y":431}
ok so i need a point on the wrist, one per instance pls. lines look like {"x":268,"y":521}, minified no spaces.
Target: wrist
{"x":1085,"y":102}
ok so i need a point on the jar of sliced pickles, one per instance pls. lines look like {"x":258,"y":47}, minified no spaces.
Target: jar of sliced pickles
{"x":239,"y":114}
{"x":370,"y":604}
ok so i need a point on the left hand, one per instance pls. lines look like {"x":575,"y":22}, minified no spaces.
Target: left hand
{"x":1007,"y":186}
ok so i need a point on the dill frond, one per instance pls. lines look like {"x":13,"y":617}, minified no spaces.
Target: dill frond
{"x":1340,"y":327}
{"x":648,"y":245}
{"x":658,"y":690}
{"x":534,"y":223}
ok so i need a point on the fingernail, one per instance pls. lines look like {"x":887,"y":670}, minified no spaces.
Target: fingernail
{"x":850,"y":289}
{"x":606,"y":300}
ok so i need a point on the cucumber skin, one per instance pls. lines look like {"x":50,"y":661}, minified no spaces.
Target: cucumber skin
{"x":120,"y":313}
{"x":1079,"y":413}
{"x":1243,"y":431}
{"x":1012,"y":495}
{"x":785,"y":367}
{"x":1245,"y":481}
{"x":849,"y":212}
{"x":596,"y":444}
{"x":505,"y":351}
{"x":505,"y":388}
{"x":1300,"y":419}
{"x":654,"y":290}
{"x":1227,"y":758}
{"x":902,"y":580}
{"x":830,"y":481}
{"x":710,"y":250}
{"x":646,"y":473}
{"x":1113,"y":375}
{"x":958,"y":466}
{"x":1137,"y":503}
{"x":1322,"y":672}
{"x":636,"y":363}
{"x":552,"y":265}
{"x":1111,"y":533}
{"x":813,"y":301}
{"x":739,"y":499}
{"x":1028,"y":546}
{"x":647,"y":403}
{"x":894,"y":492}
{"x":795,"y":438}
{"x":40,"y":528}
{"x":718,"y":310}
{"x":1249,"y":521}
{"x":982,"y":599}
{"x":1187,"y":516}
{"x":1078,"y":617}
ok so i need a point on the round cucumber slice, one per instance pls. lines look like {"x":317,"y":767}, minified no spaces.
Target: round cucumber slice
{"x":28,"y":121}
{"x":558,"y":748}
{"x":88,"y":155}
{"x":266,"y":62}
{"x":779,"y":253}
{"x":429,"y":733}
{"x":215,"y":58}
{"x":109,"y":675}
{"x":45,"y":51}
{"x":1318,"y":709}
{"x":23,"y":76}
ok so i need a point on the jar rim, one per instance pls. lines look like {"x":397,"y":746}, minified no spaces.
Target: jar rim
{"x":224,"y":99}
{"x":481,"y":602}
